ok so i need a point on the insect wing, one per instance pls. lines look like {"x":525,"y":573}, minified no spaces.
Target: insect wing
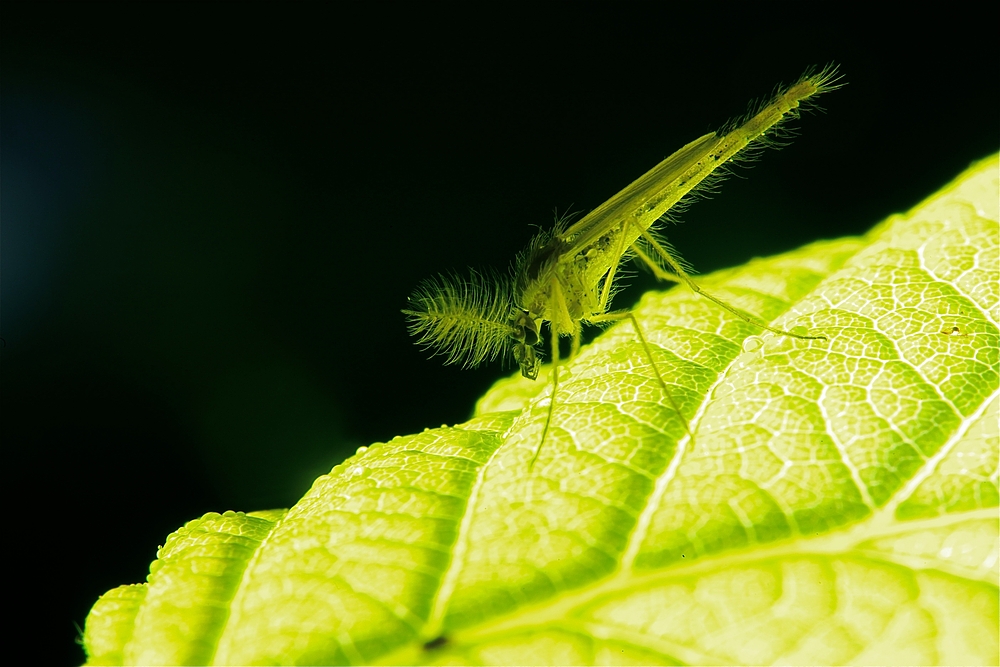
{"x":644,"y":200}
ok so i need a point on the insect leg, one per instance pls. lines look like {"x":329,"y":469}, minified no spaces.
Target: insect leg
{"x":627,"y":315}
{"x":682,"y":276}
{"x":555,"y":388}
{"x":610,"y":277}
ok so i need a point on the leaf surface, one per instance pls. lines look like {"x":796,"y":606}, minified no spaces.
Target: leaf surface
{"x":790,"y":501}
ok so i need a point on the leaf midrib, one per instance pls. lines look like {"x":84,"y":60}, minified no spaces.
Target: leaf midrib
{"x":841,"y":542}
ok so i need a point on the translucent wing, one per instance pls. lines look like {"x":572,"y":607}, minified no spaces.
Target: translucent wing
{"x":598,"y":236}
{"x":645,"y":199}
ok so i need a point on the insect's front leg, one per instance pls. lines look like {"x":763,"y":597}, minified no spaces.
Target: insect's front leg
{"x":552,"y":396}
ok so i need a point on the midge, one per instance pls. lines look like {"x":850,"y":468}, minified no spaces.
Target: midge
{"x":566,"y":276}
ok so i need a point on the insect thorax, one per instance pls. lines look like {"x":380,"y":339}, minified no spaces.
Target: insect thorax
{"x":555,"y":290}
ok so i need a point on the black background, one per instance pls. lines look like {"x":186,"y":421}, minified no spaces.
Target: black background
{"x":211,"y":216}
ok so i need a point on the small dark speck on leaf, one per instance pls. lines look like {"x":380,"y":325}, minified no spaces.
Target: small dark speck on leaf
{"x":437,"y":642}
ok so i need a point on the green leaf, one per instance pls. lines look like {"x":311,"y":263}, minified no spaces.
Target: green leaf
{"x":824,"y":501}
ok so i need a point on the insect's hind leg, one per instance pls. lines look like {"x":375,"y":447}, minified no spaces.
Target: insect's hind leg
{"x":682,"y":277}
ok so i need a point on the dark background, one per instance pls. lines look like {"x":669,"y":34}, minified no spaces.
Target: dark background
{"x":211,"y":216}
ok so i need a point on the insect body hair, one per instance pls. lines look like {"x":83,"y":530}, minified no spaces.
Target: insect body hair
{"x":650,"y":255}
{"x":465,"y":319}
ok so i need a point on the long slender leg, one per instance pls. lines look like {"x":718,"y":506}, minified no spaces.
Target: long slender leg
{"x":575,"y":347}
{"x":552,"y":397}
{"x":610,"y":277}
{"x":682,"y":276}
{"x":627,"y":315}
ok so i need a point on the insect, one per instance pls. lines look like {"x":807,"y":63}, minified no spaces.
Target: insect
{"x":566,"y":276}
